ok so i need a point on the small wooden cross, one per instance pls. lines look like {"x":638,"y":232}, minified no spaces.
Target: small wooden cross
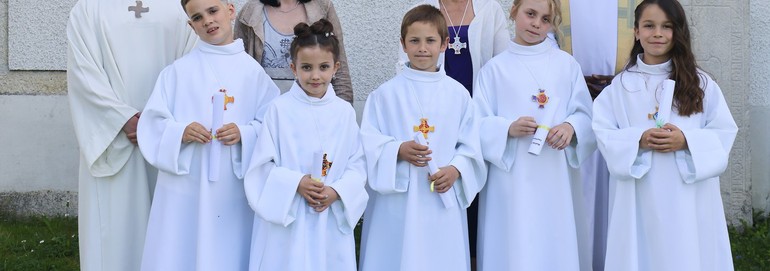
{"x":325,"y":166}
{"x":138,"y":9}
{"x":653,"y":115}
{"x":424,"y":128}
{"x":228,"y":99}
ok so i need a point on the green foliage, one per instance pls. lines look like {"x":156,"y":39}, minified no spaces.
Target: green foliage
{"x":38,"y":243}
{"x":751,"y":244}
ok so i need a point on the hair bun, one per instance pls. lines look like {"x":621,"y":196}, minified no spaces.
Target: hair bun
{"x":302,"y":30}
{"x":322,"y":27}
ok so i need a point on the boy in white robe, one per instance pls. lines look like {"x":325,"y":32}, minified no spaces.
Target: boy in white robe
{"x":307,"y":176}
{"x":201,"y":220}
{"x":415,"y":219}
{"x":527,"y":217}
{"x":666,"y":208}
{"x":111,"y":71}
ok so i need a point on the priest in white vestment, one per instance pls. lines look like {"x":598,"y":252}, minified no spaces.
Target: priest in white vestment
{"x":288,"y":233}
{"x":527,"y":219}
{"x":197,"y":223}
{"x":406,"y":226}
{"x":113,"y":59}
{"x":665,"y":208}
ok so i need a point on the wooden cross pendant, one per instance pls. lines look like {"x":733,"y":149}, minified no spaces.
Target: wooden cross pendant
{"x":424,"y":128}
{"x":228,"y":99}
{"x":138,"y":9}
{"x":653,"y":115}
{"x":457,"y":45}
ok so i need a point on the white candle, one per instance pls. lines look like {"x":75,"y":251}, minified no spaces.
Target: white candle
{"x":218,"y":102}
{"x":667,"y":100}
{"x":448,"y":197}
{"x":544,"y":125}
{"x":317,"y":169}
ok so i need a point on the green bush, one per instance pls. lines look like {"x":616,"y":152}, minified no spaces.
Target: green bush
{"x":751,"y":244}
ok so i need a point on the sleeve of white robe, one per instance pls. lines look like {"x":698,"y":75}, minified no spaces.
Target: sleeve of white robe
{"x":617,"y":140}
{"x":468,"y":159}
{"x":271,"y":190}
{"x":708,"y":147}
{"x":249,"y":131}
{"x":158,"y":132}
{"x":97,"y":112}
{"x":350,"y":186}
{"x":502,"y":35}
{"x":381,"y":151}
{"x":496,"y":146}
{"x":579,"y":111}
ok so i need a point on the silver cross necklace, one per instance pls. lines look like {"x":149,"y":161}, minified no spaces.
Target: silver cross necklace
{"x":456,"y":44}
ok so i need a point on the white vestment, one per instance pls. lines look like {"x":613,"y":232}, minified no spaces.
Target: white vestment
{"x":527,"y":219}
{"x":488,"y":34}
{"x":288,"y":234}
{"x":406,"y":226}
{"x":665,"y":208}
{"x":113,"y":60}
{"x":594,"y":27}
{"x":197,"y":224}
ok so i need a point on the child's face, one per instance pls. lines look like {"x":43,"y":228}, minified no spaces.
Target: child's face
{"x":314,"y":69}
{"x":423,"y":44}
{"x":654,"y":33}
{"x":533,"y":22}
{"x":211,"y":20}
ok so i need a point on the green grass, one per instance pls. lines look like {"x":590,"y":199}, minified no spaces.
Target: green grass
{"x":38,"y":243}
{"x":51,"y":243}
{"x":751,"y":246}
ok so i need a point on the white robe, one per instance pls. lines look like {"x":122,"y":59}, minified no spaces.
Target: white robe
{"x":288,"y":234}
{"x":594,"y":27}
{"x":526,"y":215}
{"x":407,"y":227}
{"x":665,"y":208}
{"x":488,"y":34}
{"x":197,"y":224}
{"x":113,"y":60}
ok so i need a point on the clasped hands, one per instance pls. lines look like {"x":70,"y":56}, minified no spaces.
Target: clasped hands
{"x":229,"y":134}
{"x":668,"y":138}
{"x":316,"y":194}
{"x":418,"y":155}
{"x":559,"y":136}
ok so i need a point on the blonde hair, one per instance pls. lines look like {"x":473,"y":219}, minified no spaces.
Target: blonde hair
{"x":554,"y":5}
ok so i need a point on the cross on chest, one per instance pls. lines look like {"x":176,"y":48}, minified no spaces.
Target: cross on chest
{"x":138,"y":9}
{"x":424,"y":128}
{"x":457,"y":45}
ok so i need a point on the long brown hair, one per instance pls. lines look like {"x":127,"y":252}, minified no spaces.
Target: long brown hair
{"x":688,"y":94}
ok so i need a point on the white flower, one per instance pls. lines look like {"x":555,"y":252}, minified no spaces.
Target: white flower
{"x":42,"y":241}
{"x":23,"y":241}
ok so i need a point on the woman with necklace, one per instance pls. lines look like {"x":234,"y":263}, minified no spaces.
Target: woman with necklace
{"x":477,"y":32}
{"x":266,"y":27}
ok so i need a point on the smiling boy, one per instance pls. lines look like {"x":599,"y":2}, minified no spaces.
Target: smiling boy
{"x":198,"y":220}
{"x":407,"y":226}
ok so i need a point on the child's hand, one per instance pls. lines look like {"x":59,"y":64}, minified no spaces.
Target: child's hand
{"x":559,"y":137}
{"x":229,"y":134}
{"x":414,"y":153}
{"x":329,"y":196}
{"x":195,"y":132}
{"x":668,"y":138}
{"x":445,"y":178}
{"x":310,"y":190}
{"x":522,"y":127}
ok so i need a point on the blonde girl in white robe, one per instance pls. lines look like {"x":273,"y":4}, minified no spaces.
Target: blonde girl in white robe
{"x":527,"y":216}
{"x":665,"y":205}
